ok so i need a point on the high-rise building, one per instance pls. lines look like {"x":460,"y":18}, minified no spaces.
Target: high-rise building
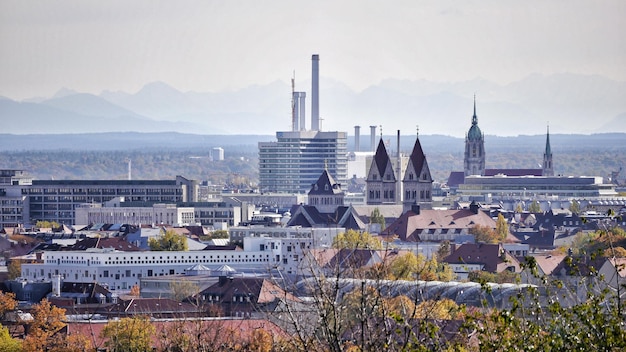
{"x":294,"y":162}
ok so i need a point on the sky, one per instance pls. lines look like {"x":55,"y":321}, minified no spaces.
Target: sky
{"x":211,"y":46}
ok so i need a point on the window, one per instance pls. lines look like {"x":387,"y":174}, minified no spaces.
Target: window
{"x":105,"y":273}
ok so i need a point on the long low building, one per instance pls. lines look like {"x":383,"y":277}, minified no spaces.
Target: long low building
{"x":506,"y":187}
{"x":118,"y":270}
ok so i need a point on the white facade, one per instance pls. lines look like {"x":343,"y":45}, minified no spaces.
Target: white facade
{"x":157,"y":214}
{"x":217,"y":154}
{"x":121,"y":270}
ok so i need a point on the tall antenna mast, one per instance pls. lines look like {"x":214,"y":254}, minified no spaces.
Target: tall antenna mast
{"x":293,"y":101}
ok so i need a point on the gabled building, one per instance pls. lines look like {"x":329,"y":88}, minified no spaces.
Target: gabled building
{"x":243,"y":296}
{"x":417,"y":225}
{"x":417,"y":182}
{"x":326,"y":194}
{"x":492,"y":258}
{"x":381,"y":179}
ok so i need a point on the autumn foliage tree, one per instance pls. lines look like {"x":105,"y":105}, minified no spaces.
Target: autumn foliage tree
{"x":43,"y":331}
{"x":356,"y":240}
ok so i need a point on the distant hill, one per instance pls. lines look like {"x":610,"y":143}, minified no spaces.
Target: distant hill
{"x":569,"y":103}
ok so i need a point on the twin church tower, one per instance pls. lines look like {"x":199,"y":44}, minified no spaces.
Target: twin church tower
{"x":416,"y":185}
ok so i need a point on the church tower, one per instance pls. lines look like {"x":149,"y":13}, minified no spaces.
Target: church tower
{"x":417,"y":181}
{"x":326,"y":194}
{"x":474,"y":161}
{"x":381,"y":180}
{"x":548,"y":167}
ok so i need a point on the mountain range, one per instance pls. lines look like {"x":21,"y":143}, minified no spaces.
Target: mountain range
{"x":568,"y":103}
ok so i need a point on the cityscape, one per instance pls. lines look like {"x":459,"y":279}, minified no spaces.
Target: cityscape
{"x":144,"y":222}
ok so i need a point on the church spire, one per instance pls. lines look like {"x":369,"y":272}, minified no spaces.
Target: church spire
{"x":474,"y":117}
{"x":548,"y":166}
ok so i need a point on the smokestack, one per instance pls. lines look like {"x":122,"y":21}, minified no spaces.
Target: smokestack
{"x":315,"y":90}
{"x":373,"y":138}
{"x":357,"y":138}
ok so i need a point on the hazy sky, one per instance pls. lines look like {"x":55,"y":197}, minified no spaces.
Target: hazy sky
{"x":207,"y":45}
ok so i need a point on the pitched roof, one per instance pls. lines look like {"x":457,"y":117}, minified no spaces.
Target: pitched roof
{"x":116,"y":243}
{"x":381,"y":158}
{"x":456,"y":178}
{"x":417,"y":157}
{"x":326,"y":184}
{"x":408,"y":226}
{"x":493,"y":256}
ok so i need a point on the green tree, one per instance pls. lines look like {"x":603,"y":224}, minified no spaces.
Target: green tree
{"x":128,"y":335}
{"x":534,"y":207}
{"x":47,"y":224}
{"x":219,"y":234}
{"x":377,"y":218}
{"x":574,"y":207}
{"x":8,"y":343}
{"x":357,"y":240}
{"x":170,"y":241}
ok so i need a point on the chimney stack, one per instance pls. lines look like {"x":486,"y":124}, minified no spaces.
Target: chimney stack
{"x":315,"y":90}
{"x":357,"y":138}
{"x":373,"y":138}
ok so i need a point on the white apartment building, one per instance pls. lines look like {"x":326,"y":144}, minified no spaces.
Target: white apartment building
{"x":119,"y":270}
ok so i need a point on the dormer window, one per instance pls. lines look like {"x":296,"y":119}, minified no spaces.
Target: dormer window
{"x":316,"y":187}
{"x":326,"y":187}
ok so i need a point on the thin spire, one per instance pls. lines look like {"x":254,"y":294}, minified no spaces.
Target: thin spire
{"x":418,"y":130}
{"x":548,"y":149}
{"x":474,"y":117}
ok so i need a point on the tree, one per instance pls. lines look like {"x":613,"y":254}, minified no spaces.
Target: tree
{"x":377,"y":218}
{"x":518,"y":208}
{"x":182,"y":289}
{"x":8,"y":303}
{"x":14,"y":269}
{"x":128,"y":334}
{"x":410,"y":267}
{"x":7,"y":343}
{"x":357,"y":240}
{"x":47,"y":224}
{"x":219,"y":234}
{"x":534,"y":207}
{"x":484,"y":234}
{"x":444,"y":250}
{"x":47,"y":320}
{"x":574,"y":207}
{"x":170,"y":241}
{"x":502,"y":228}
{"x":135,"y":291}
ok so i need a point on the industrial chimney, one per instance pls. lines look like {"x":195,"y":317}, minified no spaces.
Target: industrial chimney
{"x":373,"y":138}
{"x":315,"y":90}
{"x":357,"y":138}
